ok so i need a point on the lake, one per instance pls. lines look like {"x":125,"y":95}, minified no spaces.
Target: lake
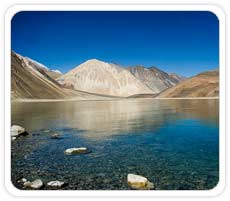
{"x":173,"y":143}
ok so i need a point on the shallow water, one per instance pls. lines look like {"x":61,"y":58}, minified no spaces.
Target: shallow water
{"x":174,"y":143}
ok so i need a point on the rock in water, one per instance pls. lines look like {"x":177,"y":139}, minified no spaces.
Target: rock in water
{"x":13,"y":138}
{"x":27,"y":184}
{"x":55,"y":136}
{"x":139,"y":182}
{"x":17,"y":130}
{"x":22,"y":180}
{"x":80,"y":150}
{"x":55,"y":184}
{"x":36,"y":184}
{"x":46,"y":131}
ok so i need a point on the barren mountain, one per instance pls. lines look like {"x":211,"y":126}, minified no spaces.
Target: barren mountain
{"x":103,"y":78}
{"x":29,"y":80}
{"x":156,"y":79}
{"x":97,"y":80}
{"x":202,"y":85}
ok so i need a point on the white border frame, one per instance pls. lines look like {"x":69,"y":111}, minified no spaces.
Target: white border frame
{"x":212,"y":8}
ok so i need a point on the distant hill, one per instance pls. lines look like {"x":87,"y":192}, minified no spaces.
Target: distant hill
{"x":103,"y":78}
{"x":156,"y":79}
{"x":205,"y":84}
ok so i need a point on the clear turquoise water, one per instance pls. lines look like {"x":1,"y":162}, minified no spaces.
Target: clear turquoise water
{"x":174,"y":143}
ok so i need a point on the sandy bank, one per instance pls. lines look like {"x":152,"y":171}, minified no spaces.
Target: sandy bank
{"x":106,"y":99}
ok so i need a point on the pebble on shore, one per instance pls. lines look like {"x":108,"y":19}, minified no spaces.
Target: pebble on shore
{"x":36,"y":184}
{"x":55,"y":184}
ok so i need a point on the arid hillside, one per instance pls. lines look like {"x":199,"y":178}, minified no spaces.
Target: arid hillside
{"x":27,"y":82}
{"x":205,"y":84}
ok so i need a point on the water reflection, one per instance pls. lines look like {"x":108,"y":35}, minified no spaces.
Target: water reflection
{"x":104,"y":118}
{"x":174,"y":143}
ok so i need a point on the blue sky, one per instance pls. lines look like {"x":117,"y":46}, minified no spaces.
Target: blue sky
{"x":182,"y":42}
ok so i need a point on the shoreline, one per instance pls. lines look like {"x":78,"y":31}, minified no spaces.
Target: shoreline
{"x":111,"y":99}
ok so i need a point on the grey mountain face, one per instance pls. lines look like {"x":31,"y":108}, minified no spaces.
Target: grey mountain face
{"x":154,"y":78}
{"x":177,"y":77}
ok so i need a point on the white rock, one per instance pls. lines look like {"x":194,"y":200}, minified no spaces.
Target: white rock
{"x":55,"y":136}
{"x":13,"y":138}
{"x":58,"y":184}
{"x":36,"y":184}
{"x":80,"y":150}
{"x":139,"y":182}
{"x":27,"y":184}
{"x":17,"y":130}
{"x":22,"y":180}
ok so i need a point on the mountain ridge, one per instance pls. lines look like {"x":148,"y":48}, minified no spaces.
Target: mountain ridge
{"x":95,"y":79}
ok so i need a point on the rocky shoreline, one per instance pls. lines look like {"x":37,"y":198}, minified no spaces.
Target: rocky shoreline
{"x":134,"y":181}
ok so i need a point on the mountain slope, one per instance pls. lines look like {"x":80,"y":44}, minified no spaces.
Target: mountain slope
{"x":205,"y":84}
{"x":156,"y":79}
{"x":40,"y":67}
{"x":27,"y":82}
{"x":95,"y":76}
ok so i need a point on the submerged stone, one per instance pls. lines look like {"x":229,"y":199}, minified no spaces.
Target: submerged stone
{"x":46,"y":131}
{"x":80,"y":150}
{"x":55,"y":136}
{"x":139,"y":182}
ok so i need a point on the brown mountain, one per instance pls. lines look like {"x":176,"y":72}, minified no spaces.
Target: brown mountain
{"x":205,"y":84}
{"x":156,"y":79}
